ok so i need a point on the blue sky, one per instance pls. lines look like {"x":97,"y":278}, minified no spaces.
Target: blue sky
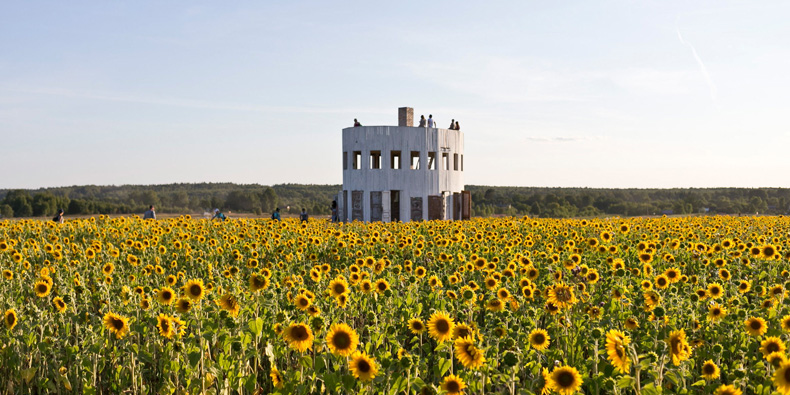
{"x":571,"y":94}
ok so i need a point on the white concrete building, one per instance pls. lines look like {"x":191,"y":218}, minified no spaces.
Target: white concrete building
{"x":402,"y":173}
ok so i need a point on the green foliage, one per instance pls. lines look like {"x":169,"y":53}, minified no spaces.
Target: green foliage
{"x":486,"y":200}
{"x":587,"y":202}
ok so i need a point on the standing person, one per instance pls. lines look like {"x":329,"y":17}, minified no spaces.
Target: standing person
{"x":303,"y":215}
{"x":218,"y":215}
{"x":151,"y":213}
{"x":276,"y":214}
{"x":422,"y":121}
{"x":431,"y":123}
{"x":452,"y":124}
{"x":59,"y":216}
{"x":334,"y":211}
{"x":356,"y":123}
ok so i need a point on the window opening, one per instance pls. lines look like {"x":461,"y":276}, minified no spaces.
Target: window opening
{"x":357,"y":160}
{"x":415,"y":160}
{"x":395,"y":160}
{"x":375,"y":159}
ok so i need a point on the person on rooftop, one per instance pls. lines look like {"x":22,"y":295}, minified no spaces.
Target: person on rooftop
{"x":356,"y":123}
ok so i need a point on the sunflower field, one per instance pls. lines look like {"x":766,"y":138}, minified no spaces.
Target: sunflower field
{"x":695,"y":305}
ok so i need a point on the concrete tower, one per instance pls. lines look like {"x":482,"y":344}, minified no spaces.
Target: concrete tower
{"x":403,"y":173}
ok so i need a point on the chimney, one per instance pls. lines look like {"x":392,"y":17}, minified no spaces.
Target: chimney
{"x":406,"y":116}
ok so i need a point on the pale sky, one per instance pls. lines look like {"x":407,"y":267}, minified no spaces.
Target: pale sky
{"x":647,"y":94}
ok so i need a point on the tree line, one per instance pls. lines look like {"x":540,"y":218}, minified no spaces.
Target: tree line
{"x":169,"y":198}
{"x":586,"y":202}
{"x":486,"y":200}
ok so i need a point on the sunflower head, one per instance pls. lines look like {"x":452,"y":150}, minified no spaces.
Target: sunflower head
{"x":564,"y":380}
{"x":440,"y":326}
{"x":362,"y":366}
{"x":342,"y":340}
{"x":453,"y":384}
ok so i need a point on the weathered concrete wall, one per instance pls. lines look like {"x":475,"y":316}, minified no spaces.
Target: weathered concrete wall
{"x":411,"y":183}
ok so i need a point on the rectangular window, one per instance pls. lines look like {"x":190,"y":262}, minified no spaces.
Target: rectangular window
{"x":357,"y":160}
{"x":345,"y":160}
{"x":395,"y":160}
{"x":462,"y":162}
{"x":415,"y":160}
{"x":446,"y":161}
{"x":375,"y":159}
{"x":432,"y":161}
{"x":455,"y":162}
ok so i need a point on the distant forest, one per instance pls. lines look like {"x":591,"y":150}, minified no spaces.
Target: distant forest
{"x":486,"y":200}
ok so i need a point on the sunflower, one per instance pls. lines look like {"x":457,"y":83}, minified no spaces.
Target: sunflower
{"x":165,"y":295}
{"x":709,"y":370}
{"x":679,"y":348}
{"x":661,"y":281}
{"x":42,"y":288}
{"x":117,"y":324}
{"x":440,"y":326}
{"x":495,"y":304}
{"x":229,"y":303}
{"x":362,"y":366}
{"x":565,"y":380}
{"x":462,"y":330}
{"x":776,"y":359}
{"x":366,"y":286}
{"x":469,"y":355}
{"x":631,"y":323}
{"x":652,"y":299}
{"x":744,"y":286}
{"x":342,"y":340}
{"x":416,"y":326}
{"x":338,"y":287}
{"x":382,"y":285}
{"x":615,"y":349}
{"x":145,"y":303}
{"x":183,"y":305}
{"x":302,"y":302}
{"x":194,"y":289}
{"x":258,"y":282}
{"x":772,"y":344}
{"x":539,"y":339}
{"x":277,"y":378}
{"x":673,"y":275}
{"x":715,"y":291}
{"x":59,"y":304}
{"x":10,"y":319}
{"x":755,"y":326}
{"x":727,"y":390}
{"x":768,"y":251}
{"x":785,"y":323}
{"x":561,"y":295}
{"x":453,"y":384}
{"x":165,"y":326}
{"x":716,"y":312}
{"x":299,"y":337}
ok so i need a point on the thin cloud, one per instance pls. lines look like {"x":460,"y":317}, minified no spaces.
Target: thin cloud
{"x":198,"y":104}
{"x":561,"y":139}
{"x":703,"y":69}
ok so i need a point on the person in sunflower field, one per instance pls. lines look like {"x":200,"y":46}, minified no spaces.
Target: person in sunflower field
{"x":276,"y":214}
{"x":218,"y":215}
{"x":59,"y":216}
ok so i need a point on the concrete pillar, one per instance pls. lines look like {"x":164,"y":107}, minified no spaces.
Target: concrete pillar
{"x":406,"y":116}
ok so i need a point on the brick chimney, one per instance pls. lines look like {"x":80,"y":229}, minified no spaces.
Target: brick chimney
{"x":405,"y":116}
